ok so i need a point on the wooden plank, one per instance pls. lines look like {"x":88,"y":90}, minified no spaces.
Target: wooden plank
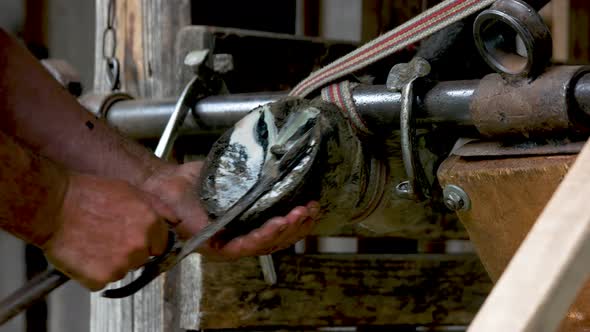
{"x":570,"y":30}
{"x":344,"y":290}
{"x":146,"y":32}
{"x":550,"y":267}
{"x":508,"y":195}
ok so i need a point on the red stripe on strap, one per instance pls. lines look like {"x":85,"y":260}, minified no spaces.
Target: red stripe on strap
{"x":377,"y":47}
{"x":439,"y":15}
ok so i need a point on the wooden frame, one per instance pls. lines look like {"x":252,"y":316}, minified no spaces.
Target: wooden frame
{"x":146,"y":32}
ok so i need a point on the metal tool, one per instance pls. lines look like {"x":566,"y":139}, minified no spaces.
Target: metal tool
{"x":274,"y":170}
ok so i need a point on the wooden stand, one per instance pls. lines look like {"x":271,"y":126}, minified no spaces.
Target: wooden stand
{"x":507,"y":196}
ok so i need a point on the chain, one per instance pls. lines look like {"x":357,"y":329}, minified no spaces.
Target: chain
{"x":109,"y":48}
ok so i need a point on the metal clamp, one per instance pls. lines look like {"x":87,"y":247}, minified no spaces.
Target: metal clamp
{"x":401,"y":78}
{"x":513,"y":39}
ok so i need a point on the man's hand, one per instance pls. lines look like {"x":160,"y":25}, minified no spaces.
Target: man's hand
{"x":177,"y":187}
{"x":105,"y":228}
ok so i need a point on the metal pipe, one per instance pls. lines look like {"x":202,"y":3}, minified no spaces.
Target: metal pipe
{"x":582,"y":94}
{"x":446,"y":102}
{"x":145,"y":118}
{"x":36,"y":289}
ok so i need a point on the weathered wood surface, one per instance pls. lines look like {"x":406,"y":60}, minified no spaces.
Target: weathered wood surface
{"x":551,"y":265}
{"x":344,"y":290}
{"x":508,"y":195}
{"x":380,"y":16}
{"x":146,"y":34}
{"x":570,"y":23}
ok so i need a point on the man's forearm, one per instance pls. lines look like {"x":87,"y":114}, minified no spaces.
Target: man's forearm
{"x":32,"y":190}
{"x":41,"y":114}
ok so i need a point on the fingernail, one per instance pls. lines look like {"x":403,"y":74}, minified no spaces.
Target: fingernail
{"x":314,"y":210}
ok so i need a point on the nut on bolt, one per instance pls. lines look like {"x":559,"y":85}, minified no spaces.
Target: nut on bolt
{"x":455,"y":198}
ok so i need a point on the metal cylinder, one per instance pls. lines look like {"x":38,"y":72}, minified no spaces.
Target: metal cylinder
{"x":143,"y":119}
{"x":446,"y":102}
{"x":460,"y":104}
{"x":539,"y":108}
{"x":582,"y":94}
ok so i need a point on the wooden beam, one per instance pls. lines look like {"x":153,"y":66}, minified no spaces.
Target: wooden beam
{"x":507,"y":196}
{"x":498,"y":223}
{"x":550,"y":267}
{"x":344,"y":290}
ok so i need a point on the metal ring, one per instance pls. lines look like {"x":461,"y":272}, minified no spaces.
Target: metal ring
{"x":100,"y":104}
{"x":513,"y":39}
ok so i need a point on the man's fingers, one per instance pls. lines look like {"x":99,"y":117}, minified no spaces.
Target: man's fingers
{"x":304,"y":229}
{"x":314,"y":209}
{"x":158,"y":238}
{"x":275,"y":233}
{"x":253,"y":242}
{"x":161,"y":208}
{"x":296,"y":215}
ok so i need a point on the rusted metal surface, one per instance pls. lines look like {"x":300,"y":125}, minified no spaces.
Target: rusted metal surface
{"x":478,"y":148}
{"x":523,"y":109}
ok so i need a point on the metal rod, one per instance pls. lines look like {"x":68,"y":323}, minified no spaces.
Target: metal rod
{"x":446,"y":102}
{"x":33,"y":291}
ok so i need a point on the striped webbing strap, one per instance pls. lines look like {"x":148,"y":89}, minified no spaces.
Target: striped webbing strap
{"x":420,"y":27}
{"x":341,"y":95}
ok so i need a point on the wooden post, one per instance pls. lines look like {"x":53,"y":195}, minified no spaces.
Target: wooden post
{"x":146,"y":33}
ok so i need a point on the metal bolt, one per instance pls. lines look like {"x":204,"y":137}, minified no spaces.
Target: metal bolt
{"x":455,"y":198}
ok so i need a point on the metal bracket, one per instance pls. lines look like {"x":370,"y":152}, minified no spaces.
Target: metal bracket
{"x":402,"y":78}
